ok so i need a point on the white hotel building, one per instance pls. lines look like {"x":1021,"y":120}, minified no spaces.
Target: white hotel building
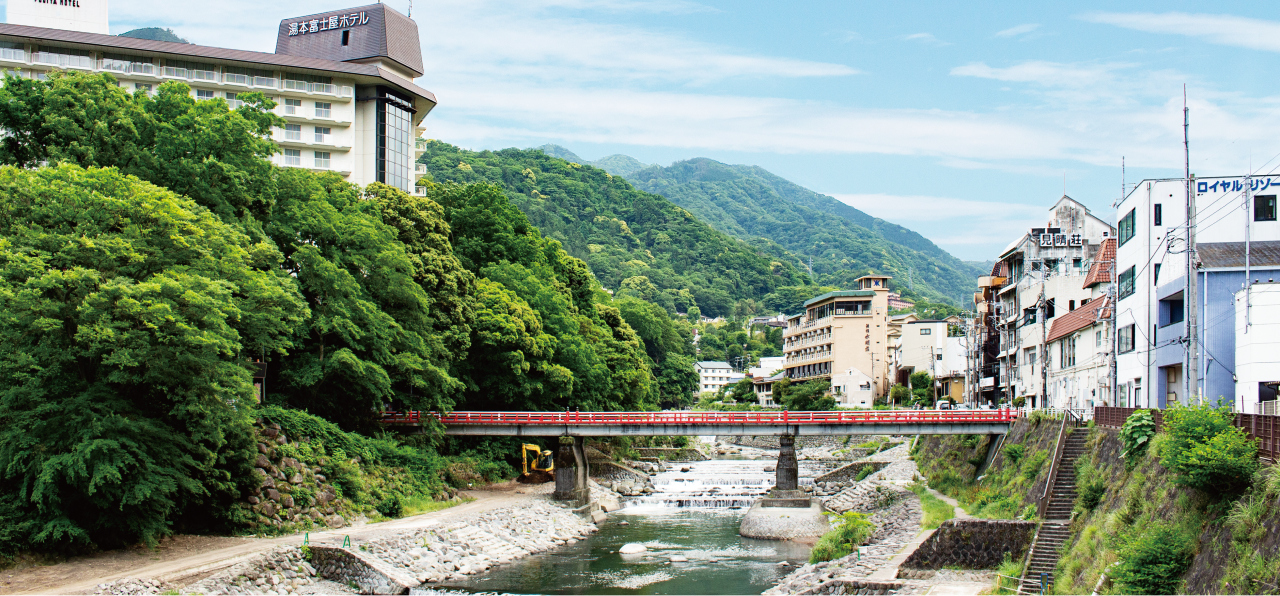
{"x":343,"y":80}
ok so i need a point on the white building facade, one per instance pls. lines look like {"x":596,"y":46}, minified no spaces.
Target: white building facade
{"x":1237,"y":238}
{"x":1257,"y":362}
{"x":713,"y":376}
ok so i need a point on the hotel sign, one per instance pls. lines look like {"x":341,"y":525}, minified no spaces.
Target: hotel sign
{"x":345,"y":21}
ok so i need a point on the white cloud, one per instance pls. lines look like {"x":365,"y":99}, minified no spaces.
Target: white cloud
{"x":1228,"y":30}
{"x":1050,"y":74}
{"x":925,"y":38}
{"x":951,"y":223}
{"x":1018,"y":30}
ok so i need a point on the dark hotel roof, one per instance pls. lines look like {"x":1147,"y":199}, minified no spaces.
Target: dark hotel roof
{"x":1215,"y":255}
{"x":41,"y":35}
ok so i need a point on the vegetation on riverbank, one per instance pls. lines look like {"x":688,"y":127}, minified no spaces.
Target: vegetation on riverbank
{"x":853,"y":530}
{"x":936,"y":510}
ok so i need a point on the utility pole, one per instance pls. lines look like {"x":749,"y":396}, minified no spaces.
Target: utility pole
{"x":1044,"y":347}
{"x":1191,"y":372}
{"x":1248,"y":218}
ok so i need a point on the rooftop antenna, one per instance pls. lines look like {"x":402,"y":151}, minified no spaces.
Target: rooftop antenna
{"x":411,"y":9}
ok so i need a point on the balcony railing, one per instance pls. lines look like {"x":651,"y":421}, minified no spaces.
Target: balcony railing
{"x":235,"y":79}
{"x":420,"y":168}
{"x":13,"y":54}
{"x":266,"y":82}
{"x":176,"y":73}
{"x":203,"y":75}
{"x":62,"y":60}
{"x":419,"y":144}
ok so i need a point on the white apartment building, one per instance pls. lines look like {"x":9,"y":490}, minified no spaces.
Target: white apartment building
{"x":712,"y":375}
{"x":1258,"y":348}
{"x":1042,"y":276}
{"x":926,"y":346}
{"x":767,"y":366}
{"x":1237,"y":240}
{"x":1079,"y":343}
{"x":342,"y":80}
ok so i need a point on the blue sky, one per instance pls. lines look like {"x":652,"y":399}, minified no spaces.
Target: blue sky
{"x":958,"y":120}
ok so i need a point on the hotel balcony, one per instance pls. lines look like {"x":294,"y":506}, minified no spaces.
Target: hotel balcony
{"x":419,"y":146}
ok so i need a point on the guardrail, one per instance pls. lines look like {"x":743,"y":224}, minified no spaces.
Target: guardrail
{"x":1264,"y":428}
{"x":695,"y":418}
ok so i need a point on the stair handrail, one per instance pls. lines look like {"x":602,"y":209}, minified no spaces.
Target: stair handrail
{"x":1054,"y":466}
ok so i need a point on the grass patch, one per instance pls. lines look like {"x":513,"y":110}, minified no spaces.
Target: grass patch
{"x":854,"y":529}
{"x":936,"y":510}
{"x":424,"y":504}
{"x":1009,"y":574}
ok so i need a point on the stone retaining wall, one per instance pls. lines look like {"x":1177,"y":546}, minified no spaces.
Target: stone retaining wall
{"x":369,"y":574}
{"x":973,"y":544}
{"x":853,"y":586}
{"x":850,"y":472}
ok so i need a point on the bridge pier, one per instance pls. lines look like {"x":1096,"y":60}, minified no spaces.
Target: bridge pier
{"x":788,"y":470}
{"x":572,"y":473}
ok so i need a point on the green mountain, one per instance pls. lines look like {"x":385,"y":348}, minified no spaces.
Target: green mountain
{"x":618,"y":164}
{"x":635,"y":242}
{"x":844,"y":243}
{"x":154,"y":34}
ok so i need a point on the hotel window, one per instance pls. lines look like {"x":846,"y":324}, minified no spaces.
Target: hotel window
{"x":1264,"y":208}
{"x":12,"y":51}
{"x":1126,"y":227}
{"x":1126,"y":283}
{"x":62,"y":57}
{"x":324,"y":109}
{"x":203,"y":94}
{"x":394,"y":140}
{"x":292,"y":157}
{"x":323,"y":134}
{"x":233,"y":102}
{"x":142,"y":87}
{"x":1125,"y":337}
{"x":293,"y":132}
{"x":322,"y":159}
{"x":292,"y":106}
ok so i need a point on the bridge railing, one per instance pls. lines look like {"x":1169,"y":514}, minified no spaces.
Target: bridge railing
{"x":697,"y":418}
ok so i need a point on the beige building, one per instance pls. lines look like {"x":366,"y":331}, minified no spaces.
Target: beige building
{"x":844,"y":332}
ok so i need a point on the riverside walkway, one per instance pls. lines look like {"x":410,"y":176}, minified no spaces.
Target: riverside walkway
{"x":687,"y":423}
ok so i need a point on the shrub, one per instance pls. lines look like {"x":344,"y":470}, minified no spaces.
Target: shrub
{"x":1090,"y":485}
{"x":1014,"y":453}
{"x":971,"y":441}
{"x":1153,"y":561}
{"x":864,"y":472}
{"x":1206,"y":452}
{"x":1136,"y":434}
{"x":853,"y":530}
{"x":390,"y":507}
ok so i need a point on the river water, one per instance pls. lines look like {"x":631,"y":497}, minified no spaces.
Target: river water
{"x":693,"y":514}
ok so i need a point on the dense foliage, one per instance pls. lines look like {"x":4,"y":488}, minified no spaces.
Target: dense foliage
{"x":1153,"y":558}
{"x":843,"y":242}
{"x":1136,"y":434}
{"x":1206,"y":451}
{"x":629,"y":238}
{"x":152,"y":260}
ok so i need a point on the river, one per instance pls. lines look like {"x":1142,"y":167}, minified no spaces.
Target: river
{"x":693,"y":514}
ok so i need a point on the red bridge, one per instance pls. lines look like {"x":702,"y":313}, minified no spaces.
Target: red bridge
{"x":684,"y":423}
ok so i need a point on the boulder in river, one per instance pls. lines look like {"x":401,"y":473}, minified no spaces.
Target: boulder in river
{"x":632,"y":548}
{"x":679,"y":559}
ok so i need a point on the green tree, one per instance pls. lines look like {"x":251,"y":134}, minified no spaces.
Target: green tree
{"x":130,"y":315}
{"x":742,"y":392}
{"x":922,"y":390}
{"x":374,"y":334}
{"x":1206,"y":451}
{"x":807,"y":396}
{"x":200,"y":149}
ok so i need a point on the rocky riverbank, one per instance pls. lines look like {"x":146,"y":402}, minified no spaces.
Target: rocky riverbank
{"x":449,"y":550}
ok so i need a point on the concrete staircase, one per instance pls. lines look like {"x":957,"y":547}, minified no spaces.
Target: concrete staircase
{"x":1053,"y":530}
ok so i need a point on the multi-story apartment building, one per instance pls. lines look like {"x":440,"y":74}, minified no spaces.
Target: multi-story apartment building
{"x":840,"y":331}
{"x":1257,"y":344}
{"x":1039,"y":277}
{"x":1237,"y":241}
{"x":927,"y":346}
{"x":342,"y":80}
{"x":713,"y":375}
{"x":1080,"y":349}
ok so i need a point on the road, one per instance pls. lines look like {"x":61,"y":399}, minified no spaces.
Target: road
{"x":198,"y":557}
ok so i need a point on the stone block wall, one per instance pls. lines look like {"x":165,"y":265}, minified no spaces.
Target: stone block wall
{"x":850,"y":472}
{"x":369,"y":574}
{"x":802,"y":442}
{"x":973,"y":544}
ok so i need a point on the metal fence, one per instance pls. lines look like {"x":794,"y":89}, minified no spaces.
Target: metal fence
{"x":1264,"y":428}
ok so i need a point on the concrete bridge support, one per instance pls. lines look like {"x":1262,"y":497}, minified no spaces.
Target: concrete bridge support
{"x":788,"y":469}
{"x":572,"y":473}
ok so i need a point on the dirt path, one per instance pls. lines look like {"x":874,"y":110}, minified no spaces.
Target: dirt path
{"x":184,"y":559}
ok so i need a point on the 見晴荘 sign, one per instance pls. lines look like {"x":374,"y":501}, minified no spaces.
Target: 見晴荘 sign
{"x":330,"y":22}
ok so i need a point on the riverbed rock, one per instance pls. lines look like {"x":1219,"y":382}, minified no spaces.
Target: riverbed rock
{"x":632,"y":548}
{"x":678,"y":559}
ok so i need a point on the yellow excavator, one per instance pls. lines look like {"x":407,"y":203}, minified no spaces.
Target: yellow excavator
{"x":535,"y":458}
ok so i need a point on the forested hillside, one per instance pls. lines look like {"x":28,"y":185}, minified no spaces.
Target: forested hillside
{"x":152,"y":260}
{"x":844,"y":243}
{"x":633,"y":241}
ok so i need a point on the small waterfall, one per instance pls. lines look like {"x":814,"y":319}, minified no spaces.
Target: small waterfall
{"x":715,"y":484}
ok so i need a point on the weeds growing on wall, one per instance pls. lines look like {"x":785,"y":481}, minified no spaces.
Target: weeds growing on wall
{"x":1136,"y":435}
{"x":1008,"y":576}
{"x":1153,"y":558}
